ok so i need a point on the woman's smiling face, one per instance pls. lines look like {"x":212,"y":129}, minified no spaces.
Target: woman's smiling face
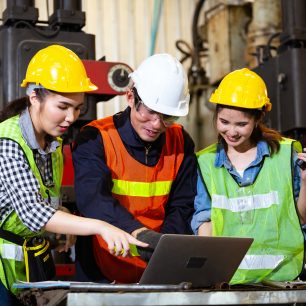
{"x":235,"y":127}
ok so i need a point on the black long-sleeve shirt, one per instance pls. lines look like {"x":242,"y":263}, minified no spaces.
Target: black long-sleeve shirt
{"x":93,"y":181}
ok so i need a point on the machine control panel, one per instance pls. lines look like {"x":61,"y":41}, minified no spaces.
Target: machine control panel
{"x":118,"y":77}
{"x":112,"y":78}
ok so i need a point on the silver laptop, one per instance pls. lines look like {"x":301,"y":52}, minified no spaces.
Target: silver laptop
{"x":202,"y":261}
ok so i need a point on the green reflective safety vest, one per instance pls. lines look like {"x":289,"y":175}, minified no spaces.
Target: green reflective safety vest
{"x":12,"y":266}
{"x":265,"y":211}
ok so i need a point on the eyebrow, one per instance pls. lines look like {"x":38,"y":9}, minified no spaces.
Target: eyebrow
{"x":70,"y":104}
{"x":234,"y":122}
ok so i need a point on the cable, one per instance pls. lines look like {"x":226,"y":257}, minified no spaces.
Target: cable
{"x":38,"y":31}
{"x":179,"y":45}
{"x":196,"y":39}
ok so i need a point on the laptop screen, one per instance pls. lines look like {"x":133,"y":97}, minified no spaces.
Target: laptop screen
{"x":201,"y":261}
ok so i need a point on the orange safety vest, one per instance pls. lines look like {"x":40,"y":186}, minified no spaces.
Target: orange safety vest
{"x":141,"y":189}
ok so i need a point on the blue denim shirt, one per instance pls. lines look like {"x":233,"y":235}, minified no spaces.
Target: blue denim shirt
{"x":202,"y":200}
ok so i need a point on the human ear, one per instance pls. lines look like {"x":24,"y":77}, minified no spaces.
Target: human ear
{"x":130,"y":98}
{"x":33,"y":98}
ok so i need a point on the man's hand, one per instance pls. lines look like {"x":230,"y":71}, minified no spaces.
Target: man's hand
{"x":151,"y":237}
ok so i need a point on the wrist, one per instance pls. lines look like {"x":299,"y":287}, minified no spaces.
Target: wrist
{"x":137,"y":231}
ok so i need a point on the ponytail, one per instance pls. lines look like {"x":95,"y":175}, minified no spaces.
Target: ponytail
{"x":14,"y":108}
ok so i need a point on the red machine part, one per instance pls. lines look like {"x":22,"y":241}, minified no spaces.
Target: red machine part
{"x":112,"y":78}
{"x":68,"y":175}
{"x":65,"y":270}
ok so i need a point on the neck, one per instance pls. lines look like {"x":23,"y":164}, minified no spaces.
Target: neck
{"x":41,"y":140}
{"x":39,"y":133}
{"x":242,"y":158}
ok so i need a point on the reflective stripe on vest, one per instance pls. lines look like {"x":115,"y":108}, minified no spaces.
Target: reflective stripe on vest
{"x":255,"y":262}
{"x":12,"y":251}
{"x":265,"y":211}
{"x":141,"y":189}
{"x":246,"y":203}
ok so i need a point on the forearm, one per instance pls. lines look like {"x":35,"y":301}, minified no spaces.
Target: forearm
{"x":205,"y":229}
{"x":65,"y":223}
{"x":202,"y":204}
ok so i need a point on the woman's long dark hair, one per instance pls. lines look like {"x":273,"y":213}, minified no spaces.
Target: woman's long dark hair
{"x":16,"y":107}
{"x":260,"y":132}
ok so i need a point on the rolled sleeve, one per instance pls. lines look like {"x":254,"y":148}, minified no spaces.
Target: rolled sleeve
{"x":296,"y":176}
{"x":202,"y":205}
{"x":20,"y":189}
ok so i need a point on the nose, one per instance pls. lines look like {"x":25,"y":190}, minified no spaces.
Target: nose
{"x":232,"y":131}
{"x":157,"y":121}
{"x":71,"y":115}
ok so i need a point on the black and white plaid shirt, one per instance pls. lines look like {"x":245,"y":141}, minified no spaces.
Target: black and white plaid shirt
{"x":19,"y":188}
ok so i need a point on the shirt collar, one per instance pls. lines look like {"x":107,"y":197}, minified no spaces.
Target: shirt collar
{"x":222,"y":159}
{"x":28,"y":134}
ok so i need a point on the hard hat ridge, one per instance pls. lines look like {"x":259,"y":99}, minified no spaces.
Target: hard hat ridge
{"x":162,"y":84}
{"x":58,"y":68}
{"x":242,"y":88}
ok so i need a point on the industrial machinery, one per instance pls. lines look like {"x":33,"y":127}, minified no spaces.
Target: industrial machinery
{"x":269,"y":38}
{"x":285,"y":72}
{"x":24,"y":35}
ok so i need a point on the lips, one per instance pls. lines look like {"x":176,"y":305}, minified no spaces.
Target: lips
{"x":152,"y":133}
{"x":63,"y":128}
{"x":232,"y":139}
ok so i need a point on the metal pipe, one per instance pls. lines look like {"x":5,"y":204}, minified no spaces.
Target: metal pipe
{"x":266,"y":22}
{"x":294,"y":21}
{"x":79,"y":286}
{"x":12,"y":3}
{"x":72,"y":5}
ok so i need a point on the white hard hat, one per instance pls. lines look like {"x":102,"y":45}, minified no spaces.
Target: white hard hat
{"x":162,"y":85}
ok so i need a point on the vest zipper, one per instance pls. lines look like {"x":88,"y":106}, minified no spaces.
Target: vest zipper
{"x":147,"y":153}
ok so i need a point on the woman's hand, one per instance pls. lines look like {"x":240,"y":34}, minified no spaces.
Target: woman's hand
{"x":118,"y":241}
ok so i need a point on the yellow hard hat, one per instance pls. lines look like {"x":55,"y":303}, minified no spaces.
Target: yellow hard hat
{"x":242,"y":88}
{"x":58,"y":68}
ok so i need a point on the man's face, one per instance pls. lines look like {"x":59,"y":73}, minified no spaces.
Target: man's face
{"x":147,"y":123}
